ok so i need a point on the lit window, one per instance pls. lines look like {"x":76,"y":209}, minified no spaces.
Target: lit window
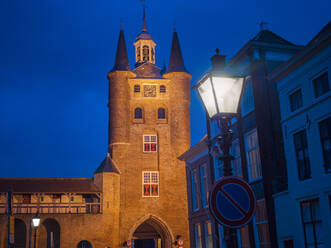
{"x":136,"y":88}
{"x":253,"y":156}
{"x":145,"y":53}
{"x":204,"y":185}
{"x":150,"y":143}
{"x":321,"y":84}
{"x":261,"y":222}
{"x":197,"y":236}
{"x":150,"y":183}
{"x":325,"y":134}
{"x":296,"y":100}
{"x":312,"y":223}
{"x":163,"y":89}
{"x":138,"y":113}
{"x":247,"y":100}
{"x":208,"y":235}
{"x":301,"y":150}
{"x":161,"y":113}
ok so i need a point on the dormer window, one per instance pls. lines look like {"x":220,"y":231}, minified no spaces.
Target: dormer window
{"x":136,"y":88}
{"x":145,"y":53}
{"x":163,"y":89}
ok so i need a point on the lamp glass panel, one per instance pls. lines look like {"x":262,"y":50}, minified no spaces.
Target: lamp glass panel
{"x":35,"y":221}
{"x":228,"y":91}
{"x":206,"y":93}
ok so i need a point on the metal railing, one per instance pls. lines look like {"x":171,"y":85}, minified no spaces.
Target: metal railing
{"x":53,"y":208}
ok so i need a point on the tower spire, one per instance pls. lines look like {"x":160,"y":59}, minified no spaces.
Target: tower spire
{"x":121,"y":59}
{"x":176,"y":63}
{"x":144,"y":19}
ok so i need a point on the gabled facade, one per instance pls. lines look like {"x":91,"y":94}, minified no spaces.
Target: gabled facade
{"x":257,"y":144}
{"x":303,"y":211}
{"x":137,"y":196}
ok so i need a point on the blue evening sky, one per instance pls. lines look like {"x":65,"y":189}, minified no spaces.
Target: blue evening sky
{"x":55,"y":55}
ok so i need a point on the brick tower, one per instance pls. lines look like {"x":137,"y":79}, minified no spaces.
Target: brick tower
{"x":149,"y":127}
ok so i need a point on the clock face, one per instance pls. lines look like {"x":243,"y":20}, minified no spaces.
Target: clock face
{"x":149,"y":90}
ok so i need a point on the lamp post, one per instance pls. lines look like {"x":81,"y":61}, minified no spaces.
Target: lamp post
{"x":220,"y":91}
{"x":35,"y":223}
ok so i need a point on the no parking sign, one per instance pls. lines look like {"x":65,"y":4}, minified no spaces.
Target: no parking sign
{"x":232,"y":202}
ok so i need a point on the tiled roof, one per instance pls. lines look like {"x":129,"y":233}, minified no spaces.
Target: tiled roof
{"x":48,"y":185}
{"x":147,"y":70}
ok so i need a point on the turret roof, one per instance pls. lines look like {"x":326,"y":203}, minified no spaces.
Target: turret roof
{"x":176,"y":63}
{"x":107,"y":165}
{"x":121,"y":59}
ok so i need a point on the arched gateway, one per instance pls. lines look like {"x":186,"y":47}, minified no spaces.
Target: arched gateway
{"x":150,"y":232}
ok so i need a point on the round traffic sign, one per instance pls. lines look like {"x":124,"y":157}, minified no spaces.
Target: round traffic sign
{"x":232,"y":202}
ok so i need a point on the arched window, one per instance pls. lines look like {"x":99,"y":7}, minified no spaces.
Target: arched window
{"x":84,"y":244}
{"x":145,"y":53}
{"x":138,"y":113}
{"x":138,"y":54}
{"x":161,"y":113}
{"x":163,"y":89}
{"x":136,"y":88}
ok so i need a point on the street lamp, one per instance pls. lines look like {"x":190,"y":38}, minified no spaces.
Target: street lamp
{"x":35,"y":223}
{"x":220,"y":91}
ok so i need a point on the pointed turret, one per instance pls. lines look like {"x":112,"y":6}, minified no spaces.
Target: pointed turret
{"x":121,"y":60}
{"x":176,"y":63}
{"x":107,"y":165}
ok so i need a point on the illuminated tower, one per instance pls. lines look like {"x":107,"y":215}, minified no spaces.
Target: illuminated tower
{"x":149,"y":127}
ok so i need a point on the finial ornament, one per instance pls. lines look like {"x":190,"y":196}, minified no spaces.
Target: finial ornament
{"x":217,"y":51}
{"x":175,"y":26}
{"x":144,"y":29}
{"x":263,"y":25}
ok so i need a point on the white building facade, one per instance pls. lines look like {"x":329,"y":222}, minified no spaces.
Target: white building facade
{"x":303,"y":212}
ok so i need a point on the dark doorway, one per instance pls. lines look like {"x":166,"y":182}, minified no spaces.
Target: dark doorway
{"x":144,"y":243}
{"x":20,"y":234}
{"x":53,"y":233}
{"x":84,"y":244}
{"x":150,"y":234}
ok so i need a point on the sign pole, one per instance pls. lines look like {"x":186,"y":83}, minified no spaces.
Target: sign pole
{"x":227,"y":169}
{"x":231,"y":200}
